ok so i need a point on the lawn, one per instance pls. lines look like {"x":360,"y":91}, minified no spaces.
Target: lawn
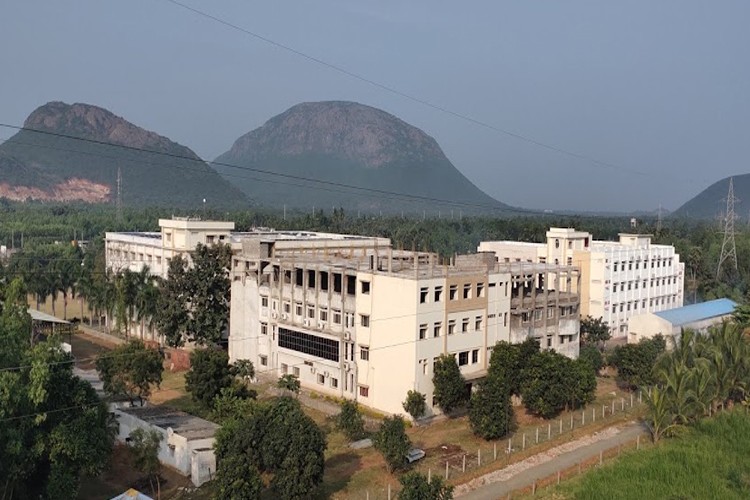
{"x":707,"y":461}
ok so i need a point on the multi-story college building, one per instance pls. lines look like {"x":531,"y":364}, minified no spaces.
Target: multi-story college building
{"x":619,"y":278}
{"x":352,"y":317}
{"x":178,"y":236}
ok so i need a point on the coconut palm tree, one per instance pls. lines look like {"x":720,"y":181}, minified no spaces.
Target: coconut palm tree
{"x":660,"y":420}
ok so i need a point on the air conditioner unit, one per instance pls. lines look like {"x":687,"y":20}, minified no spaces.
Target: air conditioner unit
{"x":312,"y":370}
{"x":284,"y":316}
{"x":321,"y":324}
{"x":326,"y":374}
{"x":274,"y":315}
{"x":347,"y":366}
{"x":347,"y":335}
{"x":306,"y":322}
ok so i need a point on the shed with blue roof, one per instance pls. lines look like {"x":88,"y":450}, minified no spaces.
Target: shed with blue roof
{"x":697,"y":317}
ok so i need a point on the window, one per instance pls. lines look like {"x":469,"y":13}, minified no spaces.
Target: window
{"x":298,"y":308}
{"x":334,"y":382}
{"x":451,"y":327}
{"x":570,"y":261}
{"x":365,"y":287}
{"x":480,"y":289}
{"x":557,"y":243}
{"x":311,"y":278}
{"x":263,"y":360}
{"x":525,"y":317}
{"x":284,"y":368}
{"x":349,"y":320}
{"x":264,"y":301}
{"x":321,"y":379}
{"x":310,"y":312}
{"x":364,"y":391}
{"x":210,"y":239}
{"x":336,"y":317}
{"x":422,"y":332}
{"x":630,"y":265}
{"x":264,"y":328}
{"x":423,"y":295}
{"x":467,"y":291}
{"x":324,"y":315}
{"x":478,"y":323}
{"x":614,"y":288}
{"x":570,"y":245}
{"x":364,"y":320}
{"x":436,"y":329}
{"x":465,"y":325}
{"x":463,"y":358}
{"x":453,"y":292}
{"x":295,"y":371}
{"x":475,"y":356}
{"x":550,"y":313}
{"x":537,"y":314}
{"x":351,"y":285}
{"x":364,"y":353}
{"x":438,"y":293}
{"x":630,"y":285}
{"x":287,"y":307}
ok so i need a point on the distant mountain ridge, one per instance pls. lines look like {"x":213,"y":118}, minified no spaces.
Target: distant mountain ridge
{"x":708,"y":203}
{"x":52,"y":168}
{"x":353,"y":144}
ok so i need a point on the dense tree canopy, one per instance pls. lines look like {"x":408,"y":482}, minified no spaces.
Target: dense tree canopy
{"x":209,"y":373}
{"x":416,"y":486}
{"x":392,"y":442}
{"x":54,"y":427}
{"x":415,"y":404}
{"x":449,"y":385}
{"x":635,"y":362}
{"x":130,"y":370}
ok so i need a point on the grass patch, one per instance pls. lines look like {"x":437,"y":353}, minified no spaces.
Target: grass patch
{"x":708,"y":461}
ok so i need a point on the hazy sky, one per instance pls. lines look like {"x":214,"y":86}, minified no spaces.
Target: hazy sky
{"x":658,"y":89}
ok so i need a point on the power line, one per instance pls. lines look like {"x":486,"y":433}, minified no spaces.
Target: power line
{"x":395,"y":91}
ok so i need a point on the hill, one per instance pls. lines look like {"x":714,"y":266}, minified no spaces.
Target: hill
{"x":352,"y":144}
{"x":51,"y":168}
{"x":708,"y":203}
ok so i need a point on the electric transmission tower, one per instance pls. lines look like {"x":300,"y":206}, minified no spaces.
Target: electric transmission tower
{"x":728,"y":248}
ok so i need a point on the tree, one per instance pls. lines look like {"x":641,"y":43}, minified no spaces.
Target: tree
{"x":244,"y":369}
{"x":209,"y":373}
{"x":593,"y":356}
{"x":130,"y":370}
{"x":144,"y":446}
{"x":594,"y":331}
{"x":54,"y":427}
{"x":392,"y":442}
{"x":173,"y":317}
{"x":228,"y":405}
{"x":278,"y":439}
{"x":415,"y":486}
{"x":635,"y":362}
{"x":507,"y":362}
{"x":490,"y":409}
{"x":350,"y":421}
{"x":237,"y":478}
{"x":450,"y":386}
{"x":289,"y":383}
{"x":553,"y":382}
{"x":415,"y":404}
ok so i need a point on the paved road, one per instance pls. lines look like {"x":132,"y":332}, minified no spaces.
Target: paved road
{"x":570,"y":459}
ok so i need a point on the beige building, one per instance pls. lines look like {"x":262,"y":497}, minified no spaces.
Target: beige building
{"x":353,"y":318}
{"x":619,"y":278}
{"x":177,"y":236}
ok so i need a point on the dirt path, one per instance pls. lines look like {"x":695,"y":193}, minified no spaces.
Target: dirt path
{"x":499,"y":483}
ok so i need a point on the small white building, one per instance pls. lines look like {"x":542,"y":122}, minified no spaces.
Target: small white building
{"x":188,"y":441}
{"x":670,"y":323}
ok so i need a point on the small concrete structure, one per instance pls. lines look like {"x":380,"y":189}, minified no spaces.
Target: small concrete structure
{"x":132,"y":494}
{"x":670,"y":323}
{"x":188,"y":440}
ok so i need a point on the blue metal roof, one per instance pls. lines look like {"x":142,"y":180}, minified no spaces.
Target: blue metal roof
{"x":698,"y":312}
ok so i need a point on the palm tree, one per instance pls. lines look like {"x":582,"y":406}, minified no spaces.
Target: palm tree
{"x":704,"y":388}
{"x":660,"y":420}
{"x":146,"y":298}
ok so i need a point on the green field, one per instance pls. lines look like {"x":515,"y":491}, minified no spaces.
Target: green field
{"x":711,"y":460}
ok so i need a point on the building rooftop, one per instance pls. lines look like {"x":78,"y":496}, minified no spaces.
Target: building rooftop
{"x":188,"y":426}
{"x":696,"y":312}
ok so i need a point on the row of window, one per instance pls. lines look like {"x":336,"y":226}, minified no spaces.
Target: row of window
{"x":463,"y":358}
{"x":453,"y":327}
{"x":466,"y":291}
{"x":137,"y":257}
{"x":633,"y":285}
{"x":655,"y":263}
{"x":538,"y":314}
{"x":323,"y":313}
{"x":627,"y":306}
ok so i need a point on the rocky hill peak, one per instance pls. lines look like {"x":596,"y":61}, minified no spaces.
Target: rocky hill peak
{"x":92,"y":122}
{"x":347,"y":130}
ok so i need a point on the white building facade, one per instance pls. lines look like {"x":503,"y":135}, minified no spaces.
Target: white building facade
{"x":353,"y":318}
{"x":619,"y":278}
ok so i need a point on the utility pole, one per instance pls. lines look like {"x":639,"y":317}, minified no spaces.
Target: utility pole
{"x":658,"y":221}
{"x":728,"y":248}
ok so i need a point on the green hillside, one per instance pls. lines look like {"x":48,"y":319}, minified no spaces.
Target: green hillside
{"x":708,"y":203}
